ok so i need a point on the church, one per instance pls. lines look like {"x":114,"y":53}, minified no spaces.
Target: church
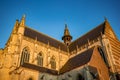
{"x":32,"y":55}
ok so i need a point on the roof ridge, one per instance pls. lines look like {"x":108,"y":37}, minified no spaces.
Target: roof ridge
{"x":87,"y":32}
{"x":83,"y":52}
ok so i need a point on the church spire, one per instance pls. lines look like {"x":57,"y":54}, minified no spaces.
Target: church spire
{"x":66,"y":37}
{"x":22,"y":23}
{"x":66,"y":32}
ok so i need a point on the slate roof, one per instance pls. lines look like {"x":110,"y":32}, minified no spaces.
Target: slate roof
{"x":93,"y":34}
{"x":44,"y":38}
{"x":78,"y":60}
{"x":40,"y":69}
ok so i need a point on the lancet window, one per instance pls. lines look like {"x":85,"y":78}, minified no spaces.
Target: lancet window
{"x":53,"y":63}
{"x":40,"y":59}
{"x":25,"y":56}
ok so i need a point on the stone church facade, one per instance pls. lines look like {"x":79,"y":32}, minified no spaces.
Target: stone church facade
{"x":31,"y":55}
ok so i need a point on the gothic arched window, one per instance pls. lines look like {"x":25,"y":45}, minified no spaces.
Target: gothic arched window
{"x":80,"y":77}
{"x":53,"y":63}
{"x":25,"y":56}
{"x":40,"y":59}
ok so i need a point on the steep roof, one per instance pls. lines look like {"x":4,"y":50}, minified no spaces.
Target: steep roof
{"x":44,"y":38}
{"x":78,"y":60}
{"x":91,"y":35}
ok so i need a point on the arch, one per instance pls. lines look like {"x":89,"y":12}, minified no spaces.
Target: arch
{"x":26,"y":47}
{"x":25,"y":55}
{"x":40,"y":59}
{"x":53,"y":62}
{"x":80,"y":77}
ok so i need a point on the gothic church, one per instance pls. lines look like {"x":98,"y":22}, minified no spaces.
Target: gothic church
{"x":31,"y":55}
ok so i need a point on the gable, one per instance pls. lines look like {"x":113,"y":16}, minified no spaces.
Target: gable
{"x":98,"y":62}
{"x":109,"y":31}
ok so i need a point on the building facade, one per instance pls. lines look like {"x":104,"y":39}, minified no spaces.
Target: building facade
{"x":31,"y":55}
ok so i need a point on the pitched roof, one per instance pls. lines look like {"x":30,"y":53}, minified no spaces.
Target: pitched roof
{"x":91,"y":35}
{"x":44,"y":38}
{"x":78,"y":60}
{"x":40,"y":69}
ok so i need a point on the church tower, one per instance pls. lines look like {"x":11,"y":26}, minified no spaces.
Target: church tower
{"x":66,"y":37}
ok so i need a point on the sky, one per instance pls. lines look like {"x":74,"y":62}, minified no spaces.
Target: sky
{"x":50,"y":16}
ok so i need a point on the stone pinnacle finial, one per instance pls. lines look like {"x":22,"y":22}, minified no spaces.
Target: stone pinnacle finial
{"x":17,"y":22}
{"x":22,"y":23}
{"x":23,"y":15}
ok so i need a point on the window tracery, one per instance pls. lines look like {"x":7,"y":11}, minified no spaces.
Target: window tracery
{"x":40,"y":59}
{"x":53,"y":62}
{"x":25,"y":56}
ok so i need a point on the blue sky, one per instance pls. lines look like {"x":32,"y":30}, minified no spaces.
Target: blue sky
{"x":50,"y":16}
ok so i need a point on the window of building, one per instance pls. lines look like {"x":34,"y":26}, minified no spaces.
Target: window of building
{"x":53,"y":63}
{"x":40,"y":59}
{"x":80,"y":77}
{"x":25,"y":56}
